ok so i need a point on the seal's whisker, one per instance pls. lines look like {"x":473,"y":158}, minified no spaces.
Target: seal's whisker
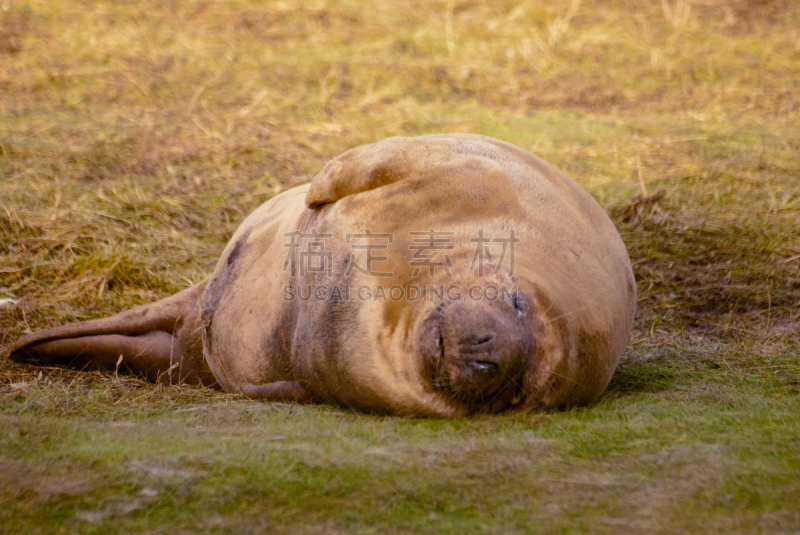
{"x":584,"y":307}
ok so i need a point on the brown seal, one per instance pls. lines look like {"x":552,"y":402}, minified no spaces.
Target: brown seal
{"x":440,"y":275}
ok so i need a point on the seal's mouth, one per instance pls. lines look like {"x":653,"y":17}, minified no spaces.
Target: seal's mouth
{"x":476,"y":354}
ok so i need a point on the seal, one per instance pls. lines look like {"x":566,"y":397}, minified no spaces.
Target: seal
{"x":442,"y":275}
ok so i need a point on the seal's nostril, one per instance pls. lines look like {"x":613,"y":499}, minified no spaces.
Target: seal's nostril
{"x":483,"y":340}
{"x":483,"y":366}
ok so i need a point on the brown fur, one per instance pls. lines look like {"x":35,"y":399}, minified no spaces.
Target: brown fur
{"x":553,"y":344}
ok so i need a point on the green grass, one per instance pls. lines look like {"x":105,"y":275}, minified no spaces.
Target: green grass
{"x":134,"y":137}
{"x":679,"y":443}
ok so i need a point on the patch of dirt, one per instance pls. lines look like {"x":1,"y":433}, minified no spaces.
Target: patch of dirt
{"x":53,"y":482}
{"x":14,"y":27}
{"x":702,"y":271}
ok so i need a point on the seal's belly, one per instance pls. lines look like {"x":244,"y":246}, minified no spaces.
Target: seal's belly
{"x":247,"y":327}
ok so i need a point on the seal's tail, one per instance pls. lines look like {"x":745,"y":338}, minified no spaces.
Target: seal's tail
{"x":160,"y":340}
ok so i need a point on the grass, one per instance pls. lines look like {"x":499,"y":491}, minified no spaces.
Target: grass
{"x":134,"y":137}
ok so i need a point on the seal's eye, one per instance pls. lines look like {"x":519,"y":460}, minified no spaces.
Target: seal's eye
{"x":516,"y":302}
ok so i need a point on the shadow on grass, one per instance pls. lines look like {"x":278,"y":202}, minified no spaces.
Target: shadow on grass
{"x":648,"y":377}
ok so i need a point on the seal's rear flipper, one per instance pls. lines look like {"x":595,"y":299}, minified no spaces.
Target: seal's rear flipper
{"x":160,"y":340}
{"x":150,"y":354}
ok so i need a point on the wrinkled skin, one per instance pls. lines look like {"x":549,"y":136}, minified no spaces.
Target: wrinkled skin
{"x":552,"y":340}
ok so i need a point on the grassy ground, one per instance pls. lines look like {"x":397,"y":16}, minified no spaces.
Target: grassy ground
{"x":134,"y":137}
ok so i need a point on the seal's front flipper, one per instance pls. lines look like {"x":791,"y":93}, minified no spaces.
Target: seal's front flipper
{"x":160,"y":340}
{"x":285,"y":391}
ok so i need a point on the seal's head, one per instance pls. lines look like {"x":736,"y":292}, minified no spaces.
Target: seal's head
{"x":475,"y":353}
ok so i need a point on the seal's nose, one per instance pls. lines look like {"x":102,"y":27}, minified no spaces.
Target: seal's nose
{"x":479,"y":357}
